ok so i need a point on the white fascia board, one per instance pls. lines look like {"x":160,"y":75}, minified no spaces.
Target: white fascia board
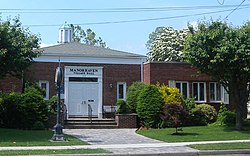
{"x":93,"y":60}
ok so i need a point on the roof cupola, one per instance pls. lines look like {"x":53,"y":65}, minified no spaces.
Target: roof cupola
{"x":65,"y":33}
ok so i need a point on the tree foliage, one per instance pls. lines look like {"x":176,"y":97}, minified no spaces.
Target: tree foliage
{"x":223,"y":52}
{"x":16,"y":47}
{"x":87,"y":37}
{"x":170,"y":95}
{"x":23,"y":110}
{"x":166,"y":44}
{"x":174,"y":115}
{"x":149,"y":106}
{"x":132,"y":95}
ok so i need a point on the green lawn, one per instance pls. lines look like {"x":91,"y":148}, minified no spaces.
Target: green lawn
{"x":222,"y":146}
{"x":13,"y":137}
{"x":46,"y":152}
{"x":198,"y":133}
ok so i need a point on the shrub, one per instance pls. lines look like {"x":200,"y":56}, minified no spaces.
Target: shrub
{"x":33,"y":87}
{"x":52,"y":105}
{"x":189,"y":103}
{"x":203,"y":114}
{"x":122,"y":107}
{"x":34,"y":108}
{"x":230,"y":118}
{"x":1,"y":109}
{"x":23,"y":110}
{"x":132,"y":95}
{"x":38,"y":125}
{"x":170,"y":95}
{"x":225,"y":117}
{"x":174,"y":115}
{"x":149,"y":106}
{"x":11,"y":112}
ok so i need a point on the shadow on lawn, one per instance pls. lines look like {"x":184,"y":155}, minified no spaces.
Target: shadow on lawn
{"x":184,"y":134}
{"x":245,"y":129}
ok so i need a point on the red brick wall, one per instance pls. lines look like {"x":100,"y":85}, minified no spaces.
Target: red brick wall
{"x":112,"y":73}
{"x":118,"y":73}
{"x":146,"y":73}
{"x":162,"y":72}
{"x":11,"y":84}
{"x":126,"y":120}
{"x":43,"y":71}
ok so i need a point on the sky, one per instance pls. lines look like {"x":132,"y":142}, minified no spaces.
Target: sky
{"x":124,"y":25}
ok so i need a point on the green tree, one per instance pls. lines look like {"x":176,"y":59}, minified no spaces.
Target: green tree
{"x":88,"y":37}
{"x":149,"y":105}
{"x":166,"y":44}
{"x":16,"y":47}
{"x":223,"y":52}
{"x":132,"y":95}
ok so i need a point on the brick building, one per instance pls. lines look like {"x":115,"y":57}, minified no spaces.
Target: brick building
{"x":188,"y":80}
{"x":97,"y":77}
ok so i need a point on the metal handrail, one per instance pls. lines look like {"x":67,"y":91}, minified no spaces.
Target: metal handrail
{"x":90,"y":113}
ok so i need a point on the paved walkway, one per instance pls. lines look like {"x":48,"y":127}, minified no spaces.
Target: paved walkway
{"x":127,"y":142}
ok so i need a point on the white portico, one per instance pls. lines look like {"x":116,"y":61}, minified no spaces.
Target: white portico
{"x":83,"y":90}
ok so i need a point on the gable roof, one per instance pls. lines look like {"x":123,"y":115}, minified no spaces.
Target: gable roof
{"x":79,"y":49}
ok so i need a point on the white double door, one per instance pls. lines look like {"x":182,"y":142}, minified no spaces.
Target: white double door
{"x":83,"y":98}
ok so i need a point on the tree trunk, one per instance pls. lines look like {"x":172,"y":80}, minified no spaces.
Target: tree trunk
{"x":239,"y":98}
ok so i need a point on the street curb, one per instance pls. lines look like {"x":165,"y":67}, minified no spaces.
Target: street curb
{"x":218,"y":152}
{"x":199,"y":153}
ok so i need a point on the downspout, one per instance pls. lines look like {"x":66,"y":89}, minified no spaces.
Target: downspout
{"x":142,"y":69}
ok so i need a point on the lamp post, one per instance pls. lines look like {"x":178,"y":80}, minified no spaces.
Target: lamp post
{"x":58,"y":133}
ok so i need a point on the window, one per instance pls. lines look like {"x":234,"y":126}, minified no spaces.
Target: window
{"x":183,"y":88}
{"x":121,"y":90}
{"x":199,"y":91}
{"x":45,"y":85}
{"x":217,"y":93}
{"x":225,"y":96}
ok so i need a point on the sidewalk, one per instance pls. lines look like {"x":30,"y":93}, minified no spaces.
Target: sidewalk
{"x":127,"y":142}
{"x":143,"y":149}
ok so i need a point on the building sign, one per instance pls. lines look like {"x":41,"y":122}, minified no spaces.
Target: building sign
{"x":84,"y":71}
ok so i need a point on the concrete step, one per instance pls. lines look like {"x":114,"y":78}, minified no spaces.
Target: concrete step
{"x":90,"y":126}
{"x":84,"y":123}
{"x":88,"y":123}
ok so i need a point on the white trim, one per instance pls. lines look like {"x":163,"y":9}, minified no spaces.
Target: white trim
{"x":90,"y":59}
{"x":198,"y":90}
{"x":224,"y":95}
{"x":124,"y":90}
{"x":67,"y":75}
{"x":47,"y":88}
{"x":215,"y":92}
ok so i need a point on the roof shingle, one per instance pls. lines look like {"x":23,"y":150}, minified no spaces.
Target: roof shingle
{"x":79,"y":49}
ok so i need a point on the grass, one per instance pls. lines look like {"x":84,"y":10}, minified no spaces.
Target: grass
{"x":197,"y":133}
{"x":49,"y":152}
{"x":13,"y":137}
{"x":222,"y":146}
